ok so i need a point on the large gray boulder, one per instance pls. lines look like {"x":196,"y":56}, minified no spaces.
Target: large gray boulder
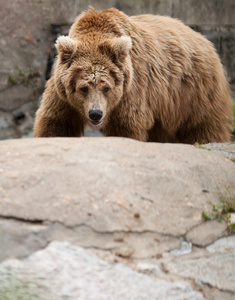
{"x":135,"y":203}
{"x":28,"y":30}
{"x":63,"y":271}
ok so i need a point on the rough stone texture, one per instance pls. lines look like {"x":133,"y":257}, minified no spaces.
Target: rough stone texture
{"x":222,"y":245}
{"x":227,"y":149}
{"x":192,"y":12}
{"x":210,"y":12}
{"x":123,"y":188}
{"x":206,"y":233}
{"x":216,"y":270}
{"x":131,"y":244}
{"x":18,"y":239}
{"x":132,"y":7}
{"x":63,"y":271}
{"x":30,"y":40}
{"x":126,"y":201}
{"x":27,"y":44}
{"x":232,"y":218}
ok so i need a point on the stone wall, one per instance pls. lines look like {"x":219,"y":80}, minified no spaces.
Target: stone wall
{"x":28,"y":29}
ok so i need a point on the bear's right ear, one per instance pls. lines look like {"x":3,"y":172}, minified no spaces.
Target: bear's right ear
{"x":65,"y":47}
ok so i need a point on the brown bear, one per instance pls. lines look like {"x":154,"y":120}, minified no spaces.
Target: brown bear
{"x":150,"y":78}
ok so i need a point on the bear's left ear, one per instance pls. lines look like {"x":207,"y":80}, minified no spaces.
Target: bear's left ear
{"x":117,"y":48}
{"x":65,"y":47}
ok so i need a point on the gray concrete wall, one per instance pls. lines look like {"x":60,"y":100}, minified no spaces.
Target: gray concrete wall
{"x":28,"y":29}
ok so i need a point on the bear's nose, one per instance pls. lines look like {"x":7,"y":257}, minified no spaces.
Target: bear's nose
{"x":95,"y":115}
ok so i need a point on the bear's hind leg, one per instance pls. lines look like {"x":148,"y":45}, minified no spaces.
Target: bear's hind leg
{"x":204,"y":133}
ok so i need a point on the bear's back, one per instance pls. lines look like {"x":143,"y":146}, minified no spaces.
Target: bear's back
{"x":167,"y":30}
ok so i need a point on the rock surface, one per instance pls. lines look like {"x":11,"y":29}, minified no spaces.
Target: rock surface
{"x":135,"y":203}
{"x":227,"y":149}
{"x":63,"y":271}
{"x":28,"y":30}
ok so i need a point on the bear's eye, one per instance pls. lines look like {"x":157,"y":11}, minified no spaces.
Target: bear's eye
{"x":84,"y":89}
{"x":106,"y":89}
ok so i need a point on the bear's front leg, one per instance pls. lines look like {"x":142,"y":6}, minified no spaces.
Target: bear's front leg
{"x":57,"y":118}
{"x":66,"y":126}
{"x":114,"y":129}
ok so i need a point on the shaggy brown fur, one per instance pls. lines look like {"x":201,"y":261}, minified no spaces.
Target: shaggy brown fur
{"x":150,"y":77}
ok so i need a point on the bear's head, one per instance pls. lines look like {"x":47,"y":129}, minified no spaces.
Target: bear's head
{"x":93,"y":75}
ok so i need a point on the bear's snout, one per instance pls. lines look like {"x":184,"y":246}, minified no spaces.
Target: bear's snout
{"x":95,"y":115}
